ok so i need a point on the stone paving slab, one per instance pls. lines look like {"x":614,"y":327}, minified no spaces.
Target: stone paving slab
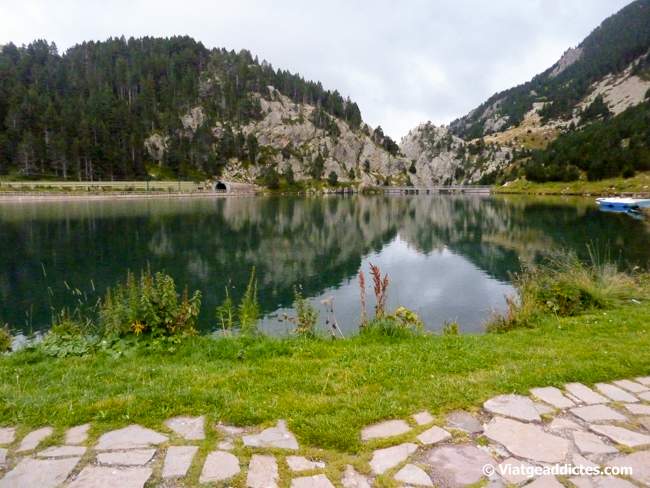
{"x":131,"y":437}
{"x":637,"y":408}
{"x":133,"y":457}
{"x":621,"y":435}
{"x":527,"y":440}
{"x":631,"y":386}
{"x":545,"y":482}
{"x":390,"y":428}
{"x":189,"y":428}
{"x":615,"y":393}
{"x":597,"y":413}
{"x":7,"y":435}
{"x":588,"y":443}
{"x":230,"y":430}
{"x":316,"y":481}
{"x":508,"y":467}
{"x":62,"y":451}
{"x":644,"y":380}
{"x":458,"y":465}
{"x":553,"y":396}
{"x":579,"y":460}
{"x":644,"y":396}
{"x":39,"y":473}
{"x":645,"y":421}
{"x":219,"y":466}
{"x":226,"y":445}
{"x":34,"y":438}
{"x":433,"y":435}
{"x":352,"y":479}
{"x":389,"y":457}
{"x":105,"y":477}
{"x":585,"y":394}
{"x":77,"y":435}
{"x":413,"y":475}
{"x":601,"y":482}
{"x":422,"y":418}
{"x":515,"y":406}
{"x":301,"y":463}
{"x":464,"y":421}
{"x":560,"y":424}
{"x":262,"y":472}
{"x":543,"y":408}
{"x":178,"y":460}
{"x":3,"y":457}
{"x":640,"y":464}
{"x":278,"y":436}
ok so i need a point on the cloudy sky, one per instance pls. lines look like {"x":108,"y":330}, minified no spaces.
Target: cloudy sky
{"x":403,"y":62}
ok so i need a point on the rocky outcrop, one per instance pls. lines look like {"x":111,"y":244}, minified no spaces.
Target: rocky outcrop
{"x":289,"y":140}
{"x":569,"y":57}
{"x":437,"y":156}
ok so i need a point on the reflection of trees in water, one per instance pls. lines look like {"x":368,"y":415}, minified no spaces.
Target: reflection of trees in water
{"x":314,"y":242}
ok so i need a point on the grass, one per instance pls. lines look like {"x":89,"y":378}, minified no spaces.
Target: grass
{"x":326,"y":390}
{"x":638,"y":184}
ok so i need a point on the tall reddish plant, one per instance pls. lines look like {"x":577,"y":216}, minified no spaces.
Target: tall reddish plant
{"x":380,"y":287}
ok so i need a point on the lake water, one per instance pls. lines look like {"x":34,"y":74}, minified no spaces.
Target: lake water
{"x":449,"y":258}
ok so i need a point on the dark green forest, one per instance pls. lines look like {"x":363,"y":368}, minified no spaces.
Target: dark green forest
{"x":610,"y":48}
{"x":85,"y":114}
{"x":608,"y":147}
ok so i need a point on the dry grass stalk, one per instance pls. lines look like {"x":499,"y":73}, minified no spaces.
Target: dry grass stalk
{"x":380,"y":287}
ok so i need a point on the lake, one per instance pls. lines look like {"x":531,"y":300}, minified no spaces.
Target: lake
{"x":449,"y":258}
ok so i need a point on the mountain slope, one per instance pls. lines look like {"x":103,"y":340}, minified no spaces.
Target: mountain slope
{"x":621,"y":43}
{"x":584,"y":117}
{"x":126,"y":109}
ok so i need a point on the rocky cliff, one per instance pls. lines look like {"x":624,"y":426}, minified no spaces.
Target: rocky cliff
{"x":437,"y":156}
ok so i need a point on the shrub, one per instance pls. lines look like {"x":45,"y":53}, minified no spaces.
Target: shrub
{"x":306,"y":316}
{"x":71,"y":334}
{"x":450,"y":328}
{"x":149,"y":305}
{"x":5,"y":338}
{"x":249,"y":309}
{"x":226,"y":313}
{"x":564,"y":286}
{"x":401,"y":323}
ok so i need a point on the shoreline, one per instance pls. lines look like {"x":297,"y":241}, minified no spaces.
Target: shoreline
{"x":46,"y":197}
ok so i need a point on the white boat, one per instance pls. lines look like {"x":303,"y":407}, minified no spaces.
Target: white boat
{"x":619,"y":203}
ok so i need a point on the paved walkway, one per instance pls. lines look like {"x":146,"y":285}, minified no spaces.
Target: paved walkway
{"x":587,"y":428}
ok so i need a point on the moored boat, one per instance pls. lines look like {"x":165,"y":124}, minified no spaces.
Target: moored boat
{"x":620,"y":203}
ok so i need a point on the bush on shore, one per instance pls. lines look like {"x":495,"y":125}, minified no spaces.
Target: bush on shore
{"x":565,"y":286}
{"x":151,"y":305}
{"x":5,"y":338}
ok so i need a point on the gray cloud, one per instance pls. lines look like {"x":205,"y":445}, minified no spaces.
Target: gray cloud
{"x":403,"y":62}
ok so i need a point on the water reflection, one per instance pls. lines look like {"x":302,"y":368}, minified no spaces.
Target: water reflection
{"x":449,"y":258}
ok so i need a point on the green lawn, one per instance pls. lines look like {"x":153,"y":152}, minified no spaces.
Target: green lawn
{"x":638,"y":184}
{"x":326,"y":390}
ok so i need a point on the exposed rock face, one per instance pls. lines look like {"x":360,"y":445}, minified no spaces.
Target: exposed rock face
{"x":439,"y":157}
{"x":569,"y":57}
{"x":288,"y":138}
{"x":156,"y":145}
